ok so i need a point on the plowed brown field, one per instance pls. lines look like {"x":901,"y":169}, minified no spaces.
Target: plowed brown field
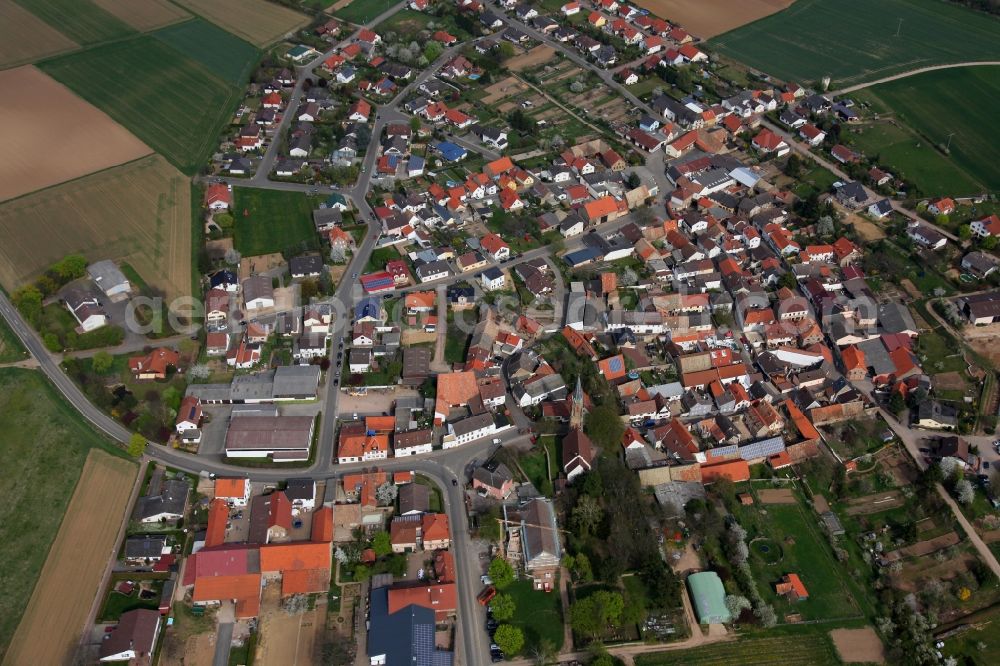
{"x":708,"y":18}
{"x":48,"y":135}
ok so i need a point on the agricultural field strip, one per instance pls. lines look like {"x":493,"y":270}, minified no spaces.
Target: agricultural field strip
{"x":155,"y":91}
{"x":51,"y":625}
{"x":51,"y":135}
{"x":257,"y":21}
{"x":925,"y":103}
{"x":80,"y":20}
{"x":125,"y":211}
{"x":855,"y":40}
{"x":222,"y":53}
{"x":25,"y":38}
{"x":144,"y":15}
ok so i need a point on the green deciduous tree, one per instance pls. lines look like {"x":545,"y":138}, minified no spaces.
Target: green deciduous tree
{"x":102,"y":362}
{"x":604,"y":427}
{"x":509,"y":639}
{"x":381,"y":543}
{"x":501,"y":572}
{"x":136,"y":445}
{"x":503,"y":607}
{"x":592,"y":615}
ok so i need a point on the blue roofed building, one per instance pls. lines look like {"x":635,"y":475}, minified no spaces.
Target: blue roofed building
{"x":368,"y":309}
{"x":450,"y":151}
{"x":582,"y":257}
{"x":403,"y":637}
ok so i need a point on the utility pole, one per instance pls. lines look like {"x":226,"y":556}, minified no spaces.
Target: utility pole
{"x":947,"y":148}
{"x":899,"y":27}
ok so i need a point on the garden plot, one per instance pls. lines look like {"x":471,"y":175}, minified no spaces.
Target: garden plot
{"x":876,"y":503}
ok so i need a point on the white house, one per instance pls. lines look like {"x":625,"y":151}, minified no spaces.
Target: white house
{"x":86,"y":309}
{"x":415,"y":442}
{"x":988,"y":226}
{"x":236,"y":492}
{"x":133,"y":639}
{"x":493,"y":279}
{"x":469,"y":429}
{"x":360,"y":360}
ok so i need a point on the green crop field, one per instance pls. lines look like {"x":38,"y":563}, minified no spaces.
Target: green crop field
{"x":44,"y":446}
{"x":362,"y":11}
{"x":80,"y":20}
{"x":907,"y":155}
{"x":803,"y":650}
{"x":960,"y":102}
{"x":171,"y":102}
{"x":855,"y":40}
{"x":274,"y":221}
{"x":224,"y":54}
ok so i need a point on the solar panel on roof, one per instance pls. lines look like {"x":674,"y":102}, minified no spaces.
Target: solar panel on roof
{"x":616,"y":364}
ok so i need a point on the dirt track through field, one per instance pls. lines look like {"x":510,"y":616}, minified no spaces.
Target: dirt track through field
{"x":48,"y":135}
{"x":53,"y":620}
{"x":708,"y":18}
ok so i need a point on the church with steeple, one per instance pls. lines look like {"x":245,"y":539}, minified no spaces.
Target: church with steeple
{"x":577,"y":449}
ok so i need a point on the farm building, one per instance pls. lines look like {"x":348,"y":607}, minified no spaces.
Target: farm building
{"x":280,"y":437}
{"x":110,"y":279}
{"x":709,"y":598}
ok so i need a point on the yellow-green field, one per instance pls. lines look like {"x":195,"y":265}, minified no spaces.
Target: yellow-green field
{"x":138,"y":212}
{"x":257,"y":21}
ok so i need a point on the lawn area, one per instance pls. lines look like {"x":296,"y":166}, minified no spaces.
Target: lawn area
{"x":116,"y":603}
{"x":796,"y":650}
{"x":534,"y":464}
{"x":273,"y":221}
{"x":170,"y":101}
{"x":456,"y":343}
{"x":80,"y":20}
{"x":11,"y":348}
{"x":909,"y":156}
{"x":538,"y":614}
{"x":963,"y":646}
{"x":44,"y":446}
{"x":817,"y":179}
{"x":363,"y":11}
{"x":224,"y":54}
{"x":788,"y":541}
{"x":406,"y":23}
{"x":856,"y":40}
{"x":924,"y":103}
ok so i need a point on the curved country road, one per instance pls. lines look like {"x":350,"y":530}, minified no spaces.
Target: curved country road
{"x":913,"y":72}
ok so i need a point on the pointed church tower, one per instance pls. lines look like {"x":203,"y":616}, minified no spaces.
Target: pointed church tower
{"x":576,"y":409}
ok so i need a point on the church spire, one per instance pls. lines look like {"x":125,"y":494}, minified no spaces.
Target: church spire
{"x":576,"y":409}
